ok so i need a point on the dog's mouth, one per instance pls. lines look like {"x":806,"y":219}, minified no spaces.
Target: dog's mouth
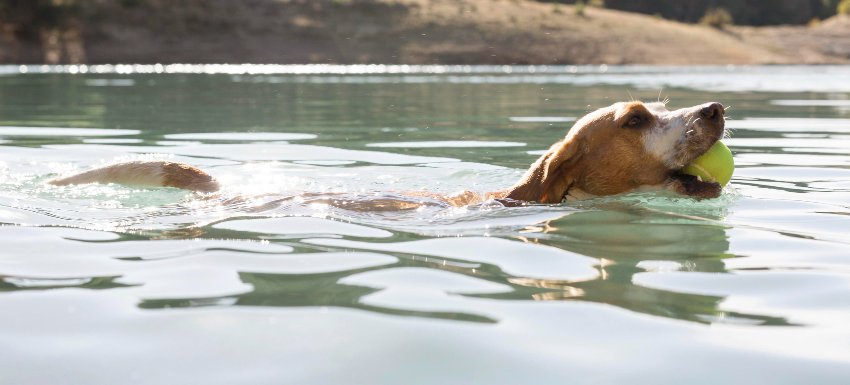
{"x":695,"y":187}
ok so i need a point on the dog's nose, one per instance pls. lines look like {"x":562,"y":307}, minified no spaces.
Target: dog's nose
{"x":713,"y":112}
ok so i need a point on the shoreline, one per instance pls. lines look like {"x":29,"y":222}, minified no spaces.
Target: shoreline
{"x":379,"y":68}
{"x":708,"y":78}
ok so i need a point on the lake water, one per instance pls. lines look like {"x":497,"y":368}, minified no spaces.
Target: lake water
{"x":106,"y":284}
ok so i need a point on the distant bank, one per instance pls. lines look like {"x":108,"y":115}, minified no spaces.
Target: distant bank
{"x":409,"y":32}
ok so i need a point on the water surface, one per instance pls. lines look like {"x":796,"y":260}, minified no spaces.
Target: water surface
{"x":106,"y":284}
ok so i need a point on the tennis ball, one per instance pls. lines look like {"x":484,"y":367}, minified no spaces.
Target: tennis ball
{"x":716,"y":165}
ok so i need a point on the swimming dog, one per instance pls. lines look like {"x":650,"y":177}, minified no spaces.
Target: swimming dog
{"x":625,"y":147}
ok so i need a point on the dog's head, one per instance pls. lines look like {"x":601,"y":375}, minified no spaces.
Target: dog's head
{"x":622,"y":148}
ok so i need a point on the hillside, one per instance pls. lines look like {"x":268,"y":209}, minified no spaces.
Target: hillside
{"x":405,"y":31}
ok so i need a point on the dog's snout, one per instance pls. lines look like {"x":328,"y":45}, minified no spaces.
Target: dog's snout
{"x":713,"y":112}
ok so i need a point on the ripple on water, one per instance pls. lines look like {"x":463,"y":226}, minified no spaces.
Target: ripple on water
{"x":63,"y":131}
{"x":542,"y":119}
{"x":817,"y":294}
{"x":257,"y":152}
{"x":833,"y":125}
{"x":302,"y":226}
{"x":444,"y":144}
{"x":63,"y":257}
{"x":538,"y":261}
{"x":241,"y":136}
{"x":420,"y":289}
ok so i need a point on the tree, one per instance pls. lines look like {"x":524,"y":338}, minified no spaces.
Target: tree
{"x":57,"y":25}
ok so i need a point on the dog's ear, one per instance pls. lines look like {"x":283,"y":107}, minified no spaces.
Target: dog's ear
{"x":549,"y":178}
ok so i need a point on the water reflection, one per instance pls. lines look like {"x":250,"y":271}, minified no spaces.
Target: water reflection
{"x":625,"y":239}
{"x":306,"y":290}
{"x":14,"y":283}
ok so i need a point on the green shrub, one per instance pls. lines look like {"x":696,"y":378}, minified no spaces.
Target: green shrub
{"x":579,"y":8}
{"x":557,"y":9}
{"x":28,"y":18}
{"x":131,"y":3}
{"x":717,"y":18}
{"x":844,"y":7}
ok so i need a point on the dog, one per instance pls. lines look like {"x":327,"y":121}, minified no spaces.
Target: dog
{"x":625,"y":147}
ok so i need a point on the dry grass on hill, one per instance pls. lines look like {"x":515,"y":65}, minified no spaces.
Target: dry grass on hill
{"x":420,"y":31}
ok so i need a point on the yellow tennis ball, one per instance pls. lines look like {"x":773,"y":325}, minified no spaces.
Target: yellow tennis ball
{"x":716,"y":165}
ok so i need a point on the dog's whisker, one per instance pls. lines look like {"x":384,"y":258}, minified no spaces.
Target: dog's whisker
{"x":693,"y":122}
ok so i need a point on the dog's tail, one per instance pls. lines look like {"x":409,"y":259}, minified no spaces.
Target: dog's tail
{"x":146,"y":173}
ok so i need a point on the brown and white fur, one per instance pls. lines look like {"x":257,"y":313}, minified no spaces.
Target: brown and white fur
{"x":625,"y":147}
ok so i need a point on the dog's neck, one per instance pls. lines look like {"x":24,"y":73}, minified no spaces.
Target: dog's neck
{"x":572,"y":195}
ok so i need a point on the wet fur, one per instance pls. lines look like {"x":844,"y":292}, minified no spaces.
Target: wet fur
{"x":603,"y":155}
{"x":617,"y":149}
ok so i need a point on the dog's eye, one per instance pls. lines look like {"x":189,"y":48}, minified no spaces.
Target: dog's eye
{"x":634,"y":121}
